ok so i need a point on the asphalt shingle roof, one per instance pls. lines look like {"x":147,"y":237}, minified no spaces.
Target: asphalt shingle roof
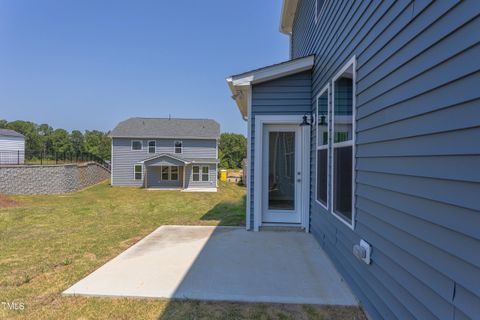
{"x":167,"y":128}
{"x":10,"y":133}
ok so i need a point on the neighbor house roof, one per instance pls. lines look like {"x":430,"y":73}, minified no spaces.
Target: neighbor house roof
{"x":172,"y":128}
{"x":10,"y":133}
{"x":240,"y":84}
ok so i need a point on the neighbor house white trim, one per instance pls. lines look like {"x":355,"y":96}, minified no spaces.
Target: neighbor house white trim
{"x":111,"y":164}
{"x":260,"y":121}
{"x":327,"y":146}
{"x":249,"y":157}
{"x":352,"y":62}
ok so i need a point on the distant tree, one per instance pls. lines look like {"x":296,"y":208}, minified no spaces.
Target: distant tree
{"x":43,"y":138}
{"x":77,"y":141}
{"x":98,"y":143}
{"x":60,"y":141}
{"x":232,"y":150}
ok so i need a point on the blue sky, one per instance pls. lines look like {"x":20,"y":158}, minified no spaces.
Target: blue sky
{"x":90,"y":64}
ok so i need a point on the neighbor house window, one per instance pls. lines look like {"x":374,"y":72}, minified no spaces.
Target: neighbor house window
{"x":165,"y":172}
{"x":151,"y":146}
{"x":174,"y":173}
{"x":196,"y":173}
{"x":319,"y":4}
{"x":169,"y":173}
{"x":136,"y":145}
{"x":343,"y":88}
{"x":178,"y":146}
{"x":138,"y":171}
{"x":323,"y":151}
{"x":205,"y":173}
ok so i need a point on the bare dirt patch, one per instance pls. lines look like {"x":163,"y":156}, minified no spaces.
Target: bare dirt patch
{"x":6,"y":202}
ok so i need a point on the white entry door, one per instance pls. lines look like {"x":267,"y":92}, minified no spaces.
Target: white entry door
{"x":281,"y":173}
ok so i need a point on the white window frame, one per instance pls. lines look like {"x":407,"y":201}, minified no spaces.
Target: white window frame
{"x":327,"y":146}
{"x":208,"y":174}
{"x":154,"y":147}
{"x":141,"y":145}
{"x":199,"y":174}
{"x":352,"y":62}
{"x":175,"y":148}
{"x":317,"y":16}
{"x":134,"y":172}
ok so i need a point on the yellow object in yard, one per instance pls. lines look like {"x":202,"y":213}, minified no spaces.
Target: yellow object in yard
{"x":223,"y":175}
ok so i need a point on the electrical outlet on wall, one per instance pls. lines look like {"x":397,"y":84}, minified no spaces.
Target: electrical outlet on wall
{"x":363,"y":251}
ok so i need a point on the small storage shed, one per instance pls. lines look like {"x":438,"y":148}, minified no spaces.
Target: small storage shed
{"x":12,"y":147}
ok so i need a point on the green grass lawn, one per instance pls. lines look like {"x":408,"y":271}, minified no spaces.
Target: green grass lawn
{"x":48,"y":243}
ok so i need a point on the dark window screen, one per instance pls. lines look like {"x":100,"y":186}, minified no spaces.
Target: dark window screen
{"x":342,"y":200}
{"x":322,"y":176}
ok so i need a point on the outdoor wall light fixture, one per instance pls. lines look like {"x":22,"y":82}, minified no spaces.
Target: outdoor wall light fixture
{"x":322,"y":121}
{"x":305,"y":120}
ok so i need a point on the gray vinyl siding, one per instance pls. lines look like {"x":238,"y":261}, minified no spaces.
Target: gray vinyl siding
{"x":212,"y":179}
{"x":124,"y":158}
{"x":417,"y":151}
{"x":288,"y":95}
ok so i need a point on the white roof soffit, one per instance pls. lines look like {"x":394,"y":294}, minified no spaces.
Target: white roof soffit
{"x":240,"y":84}
{"x":289,"y":9}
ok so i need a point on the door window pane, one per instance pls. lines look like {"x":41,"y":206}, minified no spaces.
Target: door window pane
{"x":322,"y":119}
{"x":342,"y":195}
{"x":281,"y":171}
{"x":322,"y":176}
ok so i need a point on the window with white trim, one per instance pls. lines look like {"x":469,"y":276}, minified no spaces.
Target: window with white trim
{"x":205,"y":173}
{"x":323,"y":149}
{"x":178,"y":146}
{"x":343,"y":144}
{"x":137,"y":145}
{"x":169,"y":173}
{"x":138,"y":172}
{"x":196,"y":173}
{"x":152,"y":145}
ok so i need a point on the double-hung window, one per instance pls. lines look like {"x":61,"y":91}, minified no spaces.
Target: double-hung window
{"x":136,"y":144}
{"x":178,"y":146}
{"x":196,"y":173}
{"x":343,"y":144}
{"x":169,"y":173}
{"x":138,"y":172}
{"x":152,"y":146}
{"x":323,"y":150}
{"x":200,"y":173}
{"x":205,"y":171}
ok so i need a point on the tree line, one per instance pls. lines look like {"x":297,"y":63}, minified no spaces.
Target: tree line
{"x":232,"y":149}
{"x":44,"y":139}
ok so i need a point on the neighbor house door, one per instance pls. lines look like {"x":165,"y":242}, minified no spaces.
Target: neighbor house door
{"x":281,"y":173}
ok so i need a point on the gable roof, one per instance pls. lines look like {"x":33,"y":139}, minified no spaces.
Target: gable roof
{"x":10,"y":133}
{"x":172,"y":128}
{"x":240,"y":84}
{"x":165,"y":155}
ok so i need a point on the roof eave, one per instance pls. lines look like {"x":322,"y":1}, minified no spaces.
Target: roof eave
{"x":289,"y":8}
{"x":240,"y":84}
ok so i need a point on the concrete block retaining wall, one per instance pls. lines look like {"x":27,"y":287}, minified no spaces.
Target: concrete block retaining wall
{"x":50,"y":179}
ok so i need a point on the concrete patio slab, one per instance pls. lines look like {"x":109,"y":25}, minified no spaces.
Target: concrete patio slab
{"x":221,"y":263}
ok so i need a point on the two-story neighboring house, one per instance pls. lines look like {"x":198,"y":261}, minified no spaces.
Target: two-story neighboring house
{"x":369,"y":138}
{"x":166,"y":153}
